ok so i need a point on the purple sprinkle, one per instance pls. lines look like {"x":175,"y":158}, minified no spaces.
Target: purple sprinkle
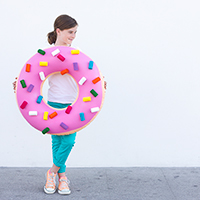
{"x":30,"y":88}
{"x":75,"y":66}
{"x":63,"y":125}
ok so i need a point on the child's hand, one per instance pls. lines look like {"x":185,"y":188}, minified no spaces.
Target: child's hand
{"x":105,"y":84}
{"x":14,"y":85}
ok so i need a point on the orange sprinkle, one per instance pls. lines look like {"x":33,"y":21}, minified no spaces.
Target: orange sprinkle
{"x":96,"y":80}
{"x":28,"y":67}
{"x":52,"y":115}
{"x":64,"y":71}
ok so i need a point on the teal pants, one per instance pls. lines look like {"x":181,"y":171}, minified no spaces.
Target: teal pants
{"x":61,"y":145}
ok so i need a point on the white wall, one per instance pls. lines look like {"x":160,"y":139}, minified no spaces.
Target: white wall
{"x":149,"y":52}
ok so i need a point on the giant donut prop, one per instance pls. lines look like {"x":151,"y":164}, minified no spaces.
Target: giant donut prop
{"x":34,"y":108}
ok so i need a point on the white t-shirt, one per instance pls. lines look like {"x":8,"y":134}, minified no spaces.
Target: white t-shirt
{"x":63,"y":88}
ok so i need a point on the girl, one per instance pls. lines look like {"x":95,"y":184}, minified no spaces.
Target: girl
{"x":65,"y":28}
{"x":62,"y":93}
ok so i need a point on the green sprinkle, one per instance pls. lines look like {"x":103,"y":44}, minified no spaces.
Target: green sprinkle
{"x":41,"y":51}
{"x":23,"y":83}
{"x":45,"y":130}
{"x":93,"y":92}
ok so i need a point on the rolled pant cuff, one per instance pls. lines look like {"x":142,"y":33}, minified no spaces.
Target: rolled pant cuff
{"x":62,"y":167}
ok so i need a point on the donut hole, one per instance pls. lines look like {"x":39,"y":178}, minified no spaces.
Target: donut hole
{"x":59,"y":88}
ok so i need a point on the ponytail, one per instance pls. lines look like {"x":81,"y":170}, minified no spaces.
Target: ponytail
{"x":52,"y":37}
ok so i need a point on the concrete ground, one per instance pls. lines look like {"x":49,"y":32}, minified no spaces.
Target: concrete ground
{"x":104,"y":184}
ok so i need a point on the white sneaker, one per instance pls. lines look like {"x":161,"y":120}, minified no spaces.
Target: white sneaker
{"x":50,"y":186}
{"x":63,"y":187}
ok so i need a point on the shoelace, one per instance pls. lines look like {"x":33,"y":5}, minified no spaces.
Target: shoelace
{"x":51,"y":181}
{"x":65,"y":183}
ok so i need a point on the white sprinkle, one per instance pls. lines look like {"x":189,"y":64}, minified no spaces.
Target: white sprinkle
{"x":55,"y":52}
{"x":83,"y":79}
{"x":32,"y":113}
{"x":95,"y":109}
{"x":42,"y":76}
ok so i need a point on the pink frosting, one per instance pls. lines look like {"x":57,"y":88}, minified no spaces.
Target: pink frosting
{"x":72,"y":120}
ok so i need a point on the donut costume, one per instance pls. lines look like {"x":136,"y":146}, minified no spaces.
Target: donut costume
{"x":81,"y":68}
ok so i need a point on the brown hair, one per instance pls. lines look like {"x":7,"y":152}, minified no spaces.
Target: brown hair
{"x":62,"y":22}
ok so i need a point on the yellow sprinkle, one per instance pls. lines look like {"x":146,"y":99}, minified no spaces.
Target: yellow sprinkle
{"x":44,"y":64}
{"x":75,"y":51}
{"x":45,"y":117}
{"x":86,"y":98}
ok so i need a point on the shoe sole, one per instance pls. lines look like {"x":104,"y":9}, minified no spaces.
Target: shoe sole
{"x":61,"y":192}
{"x":49,"y":192}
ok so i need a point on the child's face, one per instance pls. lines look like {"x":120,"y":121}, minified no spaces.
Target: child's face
{"x":67,"y":36}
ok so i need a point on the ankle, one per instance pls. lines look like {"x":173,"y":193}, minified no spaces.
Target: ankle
{"x":52,"y":171}
{"x":61,"y":176}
